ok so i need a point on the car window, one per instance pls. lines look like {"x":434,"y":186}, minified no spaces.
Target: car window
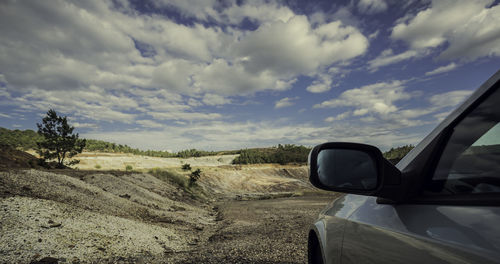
{"x":470,"y":162}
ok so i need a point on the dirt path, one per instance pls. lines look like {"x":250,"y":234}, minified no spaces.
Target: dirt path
{"x":261,"y":231}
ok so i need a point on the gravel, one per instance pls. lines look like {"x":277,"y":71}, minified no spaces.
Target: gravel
{"x":261,"y":231}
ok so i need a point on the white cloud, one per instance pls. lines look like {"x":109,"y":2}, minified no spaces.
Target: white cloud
{"x":285,"y":102}
{"x":259,"y":11}
{"x":191,"y":8}
{"x":372,"y":6}
{"x":213,"y":99}
{"x":84,"y":125}
{"x":374,"y":98}
{"x":471,"y":28}
{"x":189,"y":116}
{"x":5,"y":115}
{"x":338,"y":117}
{"x":149,"y":123}
{"x":321,"y":84}
{"x":452,"y":98}
{"x":387,"y":57}
{"x":294,"y":48}
{"x":442,"y":69}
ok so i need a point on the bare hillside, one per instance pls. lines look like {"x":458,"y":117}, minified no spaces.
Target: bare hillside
{"x":95,"y":216}
{"x":109,"y":215}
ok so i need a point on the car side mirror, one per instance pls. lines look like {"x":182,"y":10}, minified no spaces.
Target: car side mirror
{"x":351,"y":168}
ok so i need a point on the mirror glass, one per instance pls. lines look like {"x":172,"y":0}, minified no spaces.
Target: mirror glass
{"x":347,"y":169}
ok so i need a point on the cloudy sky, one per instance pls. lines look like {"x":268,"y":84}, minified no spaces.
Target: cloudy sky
{"x":213,"y":75}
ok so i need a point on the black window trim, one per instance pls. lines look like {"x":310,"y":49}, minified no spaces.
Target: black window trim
{"x":483,"y":199}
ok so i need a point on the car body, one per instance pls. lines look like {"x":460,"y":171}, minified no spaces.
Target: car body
{"x":439,"y":204}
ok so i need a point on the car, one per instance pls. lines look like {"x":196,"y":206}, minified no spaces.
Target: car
{"x":439,"y":204}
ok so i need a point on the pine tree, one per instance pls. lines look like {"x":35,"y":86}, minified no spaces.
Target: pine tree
{"x":59,"y":142}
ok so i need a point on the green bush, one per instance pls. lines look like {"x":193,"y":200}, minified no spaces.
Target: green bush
{"x":194,"y":177}
{"x":97,"y":166}
{"x":129,"y":168}
{"x":186,"y":167}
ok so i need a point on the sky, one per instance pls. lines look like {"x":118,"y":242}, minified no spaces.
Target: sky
{"x":220,"y":75}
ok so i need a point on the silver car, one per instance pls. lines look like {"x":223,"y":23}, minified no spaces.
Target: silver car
{"x":439,"y":204}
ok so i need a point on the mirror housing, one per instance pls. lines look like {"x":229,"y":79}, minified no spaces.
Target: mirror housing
{"x":371,"y":173}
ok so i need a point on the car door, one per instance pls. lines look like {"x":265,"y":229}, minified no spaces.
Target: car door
{"x":455,"y":216}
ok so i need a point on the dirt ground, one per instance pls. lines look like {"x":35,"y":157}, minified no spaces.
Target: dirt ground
{"x":260,"y":231}
{"x":234,"y":214}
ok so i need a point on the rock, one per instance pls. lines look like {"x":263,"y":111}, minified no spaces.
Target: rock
{"x":101,"y":249}
{"x":46,"y":260}
{"x":165,"y":220}
{"x":55,"y":225}
{"x":126,"y":196}
{"x":39,"y":240}
{"x":177,"y":208}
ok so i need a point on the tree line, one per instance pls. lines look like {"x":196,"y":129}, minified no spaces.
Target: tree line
{"x":281,"y":154}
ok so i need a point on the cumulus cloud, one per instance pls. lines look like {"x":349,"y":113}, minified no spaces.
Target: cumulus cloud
{"x":470,"y":28}
{"x":213,"y":99}
{"x":258,"y":11}
{"x":452,"y":98}
{"x":442,"y":69}
{"x":388,"y":57}
{"x":293,"y":47}
{"x":149,"y":123}
{"x":372,"y":6}
{"x":376,"y":104}
{"x":320,"y":85}
{"x":338,"y":117}
{"x":285,"y":102}
{"x":188,"y":116}
{"x":374,"y":98}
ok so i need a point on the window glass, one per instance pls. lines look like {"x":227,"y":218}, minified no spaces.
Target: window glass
{"x":470,"y":162}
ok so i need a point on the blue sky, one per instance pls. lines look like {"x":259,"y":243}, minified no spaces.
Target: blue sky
{"x":214,"y":75}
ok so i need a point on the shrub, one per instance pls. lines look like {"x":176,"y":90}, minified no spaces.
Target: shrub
{"x":97,"y":166}
{"x":129,"y":168}
{"x":186,"y":167}
{"x":194,"y":177}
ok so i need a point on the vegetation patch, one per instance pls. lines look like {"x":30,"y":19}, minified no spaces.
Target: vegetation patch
{"x":394,"y":155}
{"x":170,"y":176}
{"x":281,"y":154}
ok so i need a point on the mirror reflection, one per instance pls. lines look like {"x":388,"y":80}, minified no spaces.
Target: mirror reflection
{"x":347,"y":168}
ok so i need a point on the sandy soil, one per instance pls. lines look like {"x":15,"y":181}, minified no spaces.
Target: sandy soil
{"x":118,"y":161}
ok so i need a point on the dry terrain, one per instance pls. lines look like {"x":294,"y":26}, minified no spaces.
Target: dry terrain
{"x":234,"y":214}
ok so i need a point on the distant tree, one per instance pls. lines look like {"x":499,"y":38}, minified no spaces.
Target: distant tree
{"x":194,"y":177}
{"x":186,"y":167}
{"x":59,"y":142}
{"x":394,"y":155}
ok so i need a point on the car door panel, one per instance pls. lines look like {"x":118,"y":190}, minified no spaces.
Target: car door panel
{"x":385,"y":233}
